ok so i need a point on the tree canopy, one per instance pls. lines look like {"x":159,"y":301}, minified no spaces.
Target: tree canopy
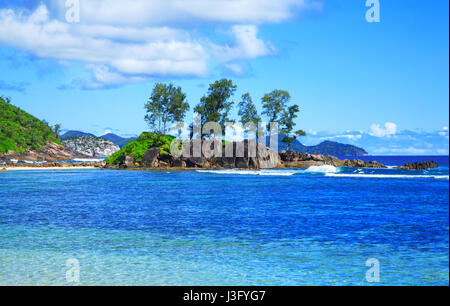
{"x":274,"y":104}
{"x":247,"y":110}
{"x":216,"y":105}
{"x":167,"y":104}
{"x":20,"y":131}
{"x":276,"y":108}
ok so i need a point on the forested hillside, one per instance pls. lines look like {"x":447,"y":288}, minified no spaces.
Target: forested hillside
{"x":20,"y":131}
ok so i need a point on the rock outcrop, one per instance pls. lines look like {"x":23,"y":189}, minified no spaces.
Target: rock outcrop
{"x":51,"y":152}
{"x":245,"y":155}
{"x":129,"y":162}
{"x":91,"y":146}
{"x":62,"y":165}
{"x":420,"y":166}
{"x":150,"y":158}
{"x":292,"y":159}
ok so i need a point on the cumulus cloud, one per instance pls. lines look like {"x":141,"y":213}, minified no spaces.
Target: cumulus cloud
{"x":247,"y":45}
{"x":100,"y":46}
{"x":122,"y":43}
{"x":175,"y":12}
{"x":388,"y":130}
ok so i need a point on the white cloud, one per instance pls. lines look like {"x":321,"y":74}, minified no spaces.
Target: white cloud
{"x":445,"y":128}
{"x":247,"y":45}
{"x":349,"y":136}
{"x":155,"y":12}
{"x":122,"y":43}
{"x":235,"y":69}
{"x":388,"y":130}
{"x":101,"y":46}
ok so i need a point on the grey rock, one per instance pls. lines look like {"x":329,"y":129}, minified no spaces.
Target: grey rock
{"x":91,"y":146}
{"x":420,"y":166}
{"x":129,"y":162}
{"x":150,"y":158}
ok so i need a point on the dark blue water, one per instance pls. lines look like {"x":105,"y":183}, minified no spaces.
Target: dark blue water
{"x":285,"y":227}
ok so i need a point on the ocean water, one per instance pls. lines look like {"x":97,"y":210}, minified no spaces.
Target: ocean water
{"x":315,"y":226}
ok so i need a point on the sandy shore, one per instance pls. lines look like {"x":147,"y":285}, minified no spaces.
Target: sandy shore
{"x":45,"y":168}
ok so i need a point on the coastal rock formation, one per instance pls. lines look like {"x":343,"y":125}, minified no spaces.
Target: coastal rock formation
{"x":247,"y":155}
{"x":419,"y":166}
{"x":357,"y":163}
{"x":291,"y":156}
{"x":150,"y":158}
{"x":26,"y":138}
{"x":59,"y":165}
{"x":91,"y":146}
{"x":292,"y":159}
{"x":129,"y":161}
{"x":51,"y":152}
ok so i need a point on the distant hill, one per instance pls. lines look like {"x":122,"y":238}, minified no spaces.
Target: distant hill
{"x":116,"y":139}
{"x":120,"y":141}
{"x":72,"y":134}
{"x":326,"y":147}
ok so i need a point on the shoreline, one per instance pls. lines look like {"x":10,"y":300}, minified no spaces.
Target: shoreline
{"x":6,"y":169}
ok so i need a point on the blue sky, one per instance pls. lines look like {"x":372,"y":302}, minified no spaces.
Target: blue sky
{"x":383,"y":86}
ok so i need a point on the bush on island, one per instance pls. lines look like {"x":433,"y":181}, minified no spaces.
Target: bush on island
{"x":138,"y":148}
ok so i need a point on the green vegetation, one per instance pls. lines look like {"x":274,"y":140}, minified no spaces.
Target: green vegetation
{"x":166,"y":105}
{"x":138,"y":148}
{"x":276,"y":108}
{"x":215,"y":106}
{"x":247,"y":110}
{"x":20,"y":131}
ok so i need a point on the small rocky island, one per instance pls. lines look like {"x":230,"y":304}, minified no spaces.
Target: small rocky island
{"x":151,"y":151}
{"x":419,"y":166}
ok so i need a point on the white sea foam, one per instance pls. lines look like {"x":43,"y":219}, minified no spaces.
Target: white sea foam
{"x":443,"y":177}
{"x":252,"y":172}
{"x":95,"y":160}
{"x":322,"y":169}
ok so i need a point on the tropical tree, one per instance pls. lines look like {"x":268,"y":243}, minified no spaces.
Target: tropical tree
{"x":167,"y":104}
{"x":275,"y":105}
{"x":247,"y":110}
{"x":216,"y":105}
{"x":57,"y":129}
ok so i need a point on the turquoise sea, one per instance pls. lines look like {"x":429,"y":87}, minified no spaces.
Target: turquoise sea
{"x":315,"y":226}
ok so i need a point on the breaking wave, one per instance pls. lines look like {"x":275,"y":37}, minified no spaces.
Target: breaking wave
{"x":322,"y":169}
{"x":252,"y":172}
{"x":96,"y":160}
